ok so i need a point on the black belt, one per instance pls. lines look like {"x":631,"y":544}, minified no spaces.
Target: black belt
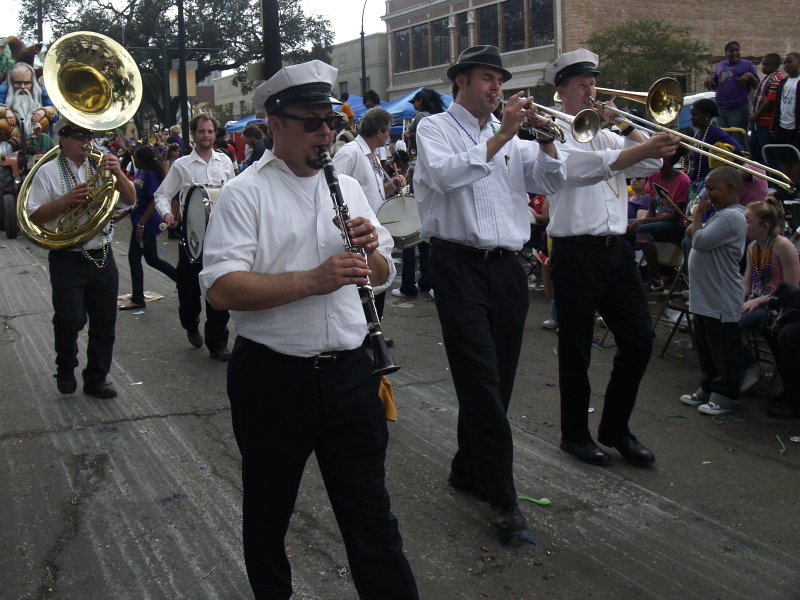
{"x":485,"y":254}
{"x":592,"y":240}
{"x":326,"y":360}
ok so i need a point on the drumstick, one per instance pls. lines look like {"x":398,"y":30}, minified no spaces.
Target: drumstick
{"x":662,"y":191}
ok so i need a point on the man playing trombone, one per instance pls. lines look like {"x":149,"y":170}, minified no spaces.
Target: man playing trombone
{"x":593,"y":267}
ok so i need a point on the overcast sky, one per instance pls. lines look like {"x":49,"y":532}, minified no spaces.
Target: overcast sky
{"x":345,"y":17}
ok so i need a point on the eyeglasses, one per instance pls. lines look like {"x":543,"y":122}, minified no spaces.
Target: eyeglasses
{"x":81,"y":136}
{"x":312,"y":124}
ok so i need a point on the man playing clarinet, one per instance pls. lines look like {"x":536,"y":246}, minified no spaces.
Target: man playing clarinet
{"x":298,"y":380}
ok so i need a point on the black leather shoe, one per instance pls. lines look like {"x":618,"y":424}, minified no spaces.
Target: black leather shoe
{"x":100,"y":390}
{"x":221,"y":353}
{"x":66,"y":385}
{"x":195,"y":339}
{"x":506,"y":520}
{"x":780,"y":410}
{"x":632,"y":450}
{"x":587,"y":451}
{"x":467,"y":485}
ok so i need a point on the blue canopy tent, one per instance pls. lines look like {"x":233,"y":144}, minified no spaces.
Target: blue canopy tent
{"x":402,"y":109}
{"x":237,"y":126}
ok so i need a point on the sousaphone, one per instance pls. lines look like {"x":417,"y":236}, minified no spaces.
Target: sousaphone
{"x":95,"y":84}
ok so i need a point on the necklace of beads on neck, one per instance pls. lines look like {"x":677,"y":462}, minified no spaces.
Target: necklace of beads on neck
{"x":698,"y":163}
{"x":69,"y":181}
{"x":378,"y":170}
{"x":760,"y":266}
{"x":464,"y":129}
{"x":608,"y":181}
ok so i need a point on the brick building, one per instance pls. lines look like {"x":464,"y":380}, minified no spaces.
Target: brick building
{"x":425,"y":36}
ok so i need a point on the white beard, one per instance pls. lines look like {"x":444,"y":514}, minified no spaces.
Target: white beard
{"x":24,"y":105}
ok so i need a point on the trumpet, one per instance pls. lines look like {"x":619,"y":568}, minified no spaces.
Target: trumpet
{"x":585,"y":125}
{"x":664,"y":101}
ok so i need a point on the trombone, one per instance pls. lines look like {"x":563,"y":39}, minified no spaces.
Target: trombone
{"x":585,"y":124}
{"x":664,"y":101}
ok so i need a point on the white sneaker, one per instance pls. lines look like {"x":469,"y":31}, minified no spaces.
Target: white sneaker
{"x":430,"y":293}
{"x":712,"y":408}
{"x":550,"y":324}
{"x":692,"y":400}
{"x":752,"y":376}
{"x":396,"y":292}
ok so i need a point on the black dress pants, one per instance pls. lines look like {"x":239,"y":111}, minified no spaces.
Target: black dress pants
{"x":283,"y":409}
{"x":189,"y":308}
{"x":482,"y":304}
{"x":599,"y":274}
{"x":81,"y":292}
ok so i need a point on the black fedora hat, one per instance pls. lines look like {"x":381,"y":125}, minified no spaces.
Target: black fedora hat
{"x":486,"y":56}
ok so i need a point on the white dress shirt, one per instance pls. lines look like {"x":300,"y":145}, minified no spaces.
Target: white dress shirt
{"x":265,"y":221}
{"x":47,"y":187}
{"x":192,"y":170}
{"x":464,"y":199}
{"x":354,"y":159}
{"x":595,"y":199}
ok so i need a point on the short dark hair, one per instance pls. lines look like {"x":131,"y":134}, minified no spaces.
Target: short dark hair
{"x":371,"y":96}
{"x":465,"y":71}
{"x":253,"y":131}
{"x":345,"y":97}
{"x":194,"y":123}
{"x":706,"y":106}
{"x":732,"y":43}
{"x":374,"y":120}
{"x":772,"y":58}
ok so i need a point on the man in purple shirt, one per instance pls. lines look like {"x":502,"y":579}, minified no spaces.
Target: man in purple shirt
{"x":733,"y":80}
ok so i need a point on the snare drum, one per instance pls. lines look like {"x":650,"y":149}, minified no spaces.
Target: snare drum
{"x":199,"y":202}
{"x":400,"y":216}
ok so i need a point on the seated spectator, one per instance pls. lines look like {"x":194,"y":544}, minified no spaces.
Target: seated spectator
{"x":661,"y":223}
{"x":771,"y":260}
{"x":638,"y":199}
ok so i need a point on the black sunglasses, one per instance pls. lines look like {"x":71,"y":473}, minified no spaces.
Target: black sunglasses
{"x":313,"y":124}
{"x":81,"y":136}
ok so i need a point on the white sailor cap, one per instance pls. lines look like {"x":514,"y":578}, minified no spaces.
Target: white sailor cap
{"x":307,"y":83}
{"x":572,"y":63}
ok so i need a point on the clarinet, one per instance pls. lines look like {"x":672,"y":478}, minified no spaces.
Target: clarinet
{"x":384,"y":364}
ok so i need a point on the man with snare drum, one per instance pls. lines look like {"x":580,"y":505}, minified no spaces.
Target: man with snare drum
{"x":359,"y":160}
{"x":204,"y":166}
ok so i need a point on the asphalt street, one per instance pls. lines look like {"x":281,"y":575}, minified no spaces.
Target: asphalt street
{"x":138,"y":497}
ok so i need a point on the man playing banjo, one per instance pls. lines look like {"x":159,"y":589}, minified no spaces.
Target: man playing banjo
{"x":204,"y":166}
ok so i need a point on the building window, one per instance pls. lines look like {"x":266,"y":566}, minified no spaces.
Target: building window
{"x":402,"y":51}
{"x":513,"y":25}
{"x":487,"y":25}
{"x":419,"y":40}
{"x":342,"y":59}
{"x":462,"y":32}
{"x":342,"y":87}
{"x":441,"y":42}
{"x":541,"y":23}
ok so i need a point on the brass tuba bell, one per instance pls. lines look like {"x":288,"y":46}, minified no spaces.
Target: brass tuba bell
{"x":95,"y":84}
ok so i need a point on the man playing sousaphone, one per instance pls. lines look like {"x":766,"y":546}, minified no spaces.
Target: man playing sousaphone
{"x":204,"y":166}
{"x":85,"y":279}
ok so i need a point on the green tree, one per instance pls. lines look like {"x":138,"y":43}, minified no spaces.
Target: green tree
{"x":220,"y":35}
{"x":635,"y":54}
